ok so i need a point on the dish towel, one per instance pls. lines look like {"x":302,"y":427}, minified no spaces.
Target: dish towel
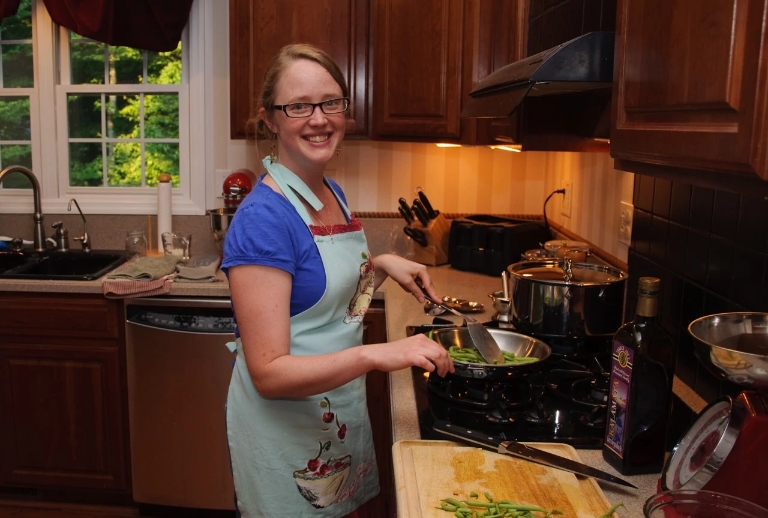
{"x":143,"y":277}
{"x":146,"y":268}
{"x":199,"y":269}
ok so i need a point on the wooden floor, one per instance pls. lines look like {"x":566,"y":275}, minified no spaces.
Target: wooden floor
{"x":25,"y":509}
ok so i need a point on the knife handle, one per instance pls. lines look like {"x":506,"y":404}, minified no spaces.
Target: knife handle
{"x":432,"y":213}
{"x":474,"y":437}
{"x":421,"y":214}
{"x":407,"y":215}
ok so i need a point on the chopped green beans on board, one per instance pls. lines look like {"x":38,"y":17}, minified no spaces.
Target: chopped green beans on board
{"x":492,"y":508}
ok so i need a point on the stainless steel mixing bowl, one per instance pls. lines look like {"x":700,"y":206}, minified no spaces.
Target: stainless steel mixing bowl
{"x":734,"y":346}
{"x":220,"y":220}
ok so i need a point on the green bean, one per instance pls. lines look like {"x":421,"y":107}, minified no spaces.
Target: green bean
{"x":612,"y":510}
{"x":471,"y":355}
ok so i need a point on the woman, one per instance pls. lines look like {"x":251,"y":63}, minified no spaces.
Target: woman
{"x":301,"y":279}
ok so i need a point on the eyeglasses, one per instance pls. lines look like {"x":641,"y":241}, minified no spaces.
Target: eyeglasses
{"x":329,"y":107}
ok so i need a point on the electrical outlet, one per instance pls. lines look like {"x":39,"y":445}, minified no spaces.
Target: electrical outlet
{"x":218,"y":181}
{"x":625,"y":223}
{"x":565,"y":210}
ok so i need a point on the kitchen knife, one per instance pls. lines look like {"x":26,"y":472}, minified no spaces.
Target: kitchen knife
{"x":516,"y":449}
{"x":416,"y":234}
{"x":422,"y":208}
{"x":481,"y":338}
{"x":421,"y":213}
{"x":406,"y":208}
{"x":407,"y":215}
{"x":432,"y":213}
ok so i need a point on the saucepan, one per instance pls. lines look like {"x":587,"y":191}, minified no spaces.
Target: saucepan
{"x":561,"y":298}
{"x":518,"y":344}
{"x":733,"y":346}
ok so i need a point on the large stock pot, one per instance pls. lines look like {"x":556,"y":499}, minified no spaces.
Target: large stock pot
{"x":551,"y":298}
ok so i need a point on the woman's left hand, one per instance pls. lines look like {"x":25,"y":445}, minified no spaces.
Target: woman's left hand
{"x":406,"y":273}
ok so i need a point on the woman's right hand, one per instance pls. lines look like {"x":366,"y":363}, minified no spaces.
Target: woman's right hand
{"x":416,"y":351}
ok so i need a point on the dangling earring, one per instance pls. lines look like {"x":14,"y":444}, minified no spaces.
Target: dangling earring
{"x":272,"y":153}
{"x":338,"y":151}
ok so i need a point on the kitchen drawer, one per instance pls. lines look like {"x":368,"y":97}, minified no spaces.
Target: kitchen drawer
{"x":59,"y":315}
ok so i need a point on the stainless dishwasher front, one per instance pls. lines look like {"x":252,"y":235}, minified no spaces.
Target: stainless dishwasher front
{"x":178,"y":375}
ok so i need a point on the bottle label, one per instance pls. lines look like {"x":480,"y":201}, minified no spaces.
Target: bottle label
{"x":618,"y":397}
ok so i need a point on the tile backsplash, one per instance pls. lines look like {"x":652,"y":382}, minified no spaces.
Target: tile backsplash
{"x":710,"y":249}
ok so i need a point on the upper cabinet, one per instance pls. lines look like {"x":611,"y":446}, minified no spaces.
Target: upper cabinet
{"x":690,"y":91}
{"x":417,"y":68}
{"x":259,"y":28}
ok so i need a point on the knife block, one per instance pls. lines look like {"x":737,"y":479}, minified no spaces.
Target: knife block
{"x":437,"y":233}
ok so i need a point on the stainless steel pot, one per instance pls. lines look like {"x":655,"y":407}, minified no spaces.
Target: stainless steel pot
{"x":520,"y":345}
{"x":564,"y":299}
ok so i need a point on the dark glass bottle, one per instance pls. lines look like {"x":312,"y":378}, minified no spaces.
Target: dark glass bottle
{"x":640,"y":391}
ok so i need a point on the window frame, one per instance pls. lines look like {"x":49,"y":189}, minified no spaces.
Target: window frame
{"x":49,"y":133}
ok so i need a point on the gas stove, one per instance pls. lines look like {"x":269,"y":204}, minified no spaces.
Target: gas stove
{"x":565,"y":402}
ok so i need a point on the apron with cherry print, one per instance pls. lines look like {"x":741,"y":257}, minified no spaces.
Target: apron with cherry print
{"x":309,"y":456}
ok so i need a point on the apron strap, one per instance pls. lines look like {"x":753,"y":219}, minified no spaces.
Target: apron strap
{"x":295,"y":190}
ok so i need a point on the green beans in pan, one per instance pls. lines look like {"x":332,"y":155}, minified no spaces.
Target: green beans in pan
{"x":472,"y":355}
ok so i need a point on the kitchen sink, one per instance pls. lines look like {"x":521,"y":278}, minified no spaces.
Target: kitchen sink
{"x":74,"y":265}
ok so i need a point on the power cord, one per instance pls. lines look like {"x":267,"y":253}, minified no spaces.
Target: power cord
{"x":546,"y":223}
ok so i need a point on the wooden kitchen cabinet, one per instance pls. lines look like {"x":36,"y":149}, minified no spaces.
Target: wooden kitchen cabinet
{"x":62,"y":423}
{"x":377,"y":387}
{"x":259,"y":28}
{"x":417,"y":69}
{"x":690,"y":95}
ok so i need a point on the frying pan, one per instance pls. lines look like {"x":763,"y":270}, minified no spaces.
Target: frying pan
{"x":510,"y":341}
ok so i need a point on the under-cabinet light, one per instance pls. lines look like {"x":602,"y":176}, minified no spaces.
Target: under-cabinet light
{"x":509,"y":147}
{"x":445,"y":144}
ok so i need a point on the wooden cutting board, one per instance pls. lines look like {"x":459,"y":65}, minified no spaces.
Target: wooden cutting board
{"x":429,"y":471}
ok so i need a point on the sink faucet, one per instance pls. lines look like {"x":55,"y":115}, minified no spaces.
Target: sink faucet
{"x":39,"y":239}
{"x":84,"y":238}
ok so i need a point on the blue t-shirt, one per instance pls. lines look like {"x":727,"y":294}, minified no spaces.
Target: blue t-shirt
{"x":267,"y":230}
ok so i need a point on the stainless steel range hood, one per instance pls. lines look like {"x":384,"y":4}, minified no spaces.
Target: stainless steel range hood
{"x":579,"y":65}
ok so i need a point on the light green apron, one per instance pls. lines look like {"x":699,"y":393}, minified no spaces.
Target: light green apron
{"x":309,"y":456}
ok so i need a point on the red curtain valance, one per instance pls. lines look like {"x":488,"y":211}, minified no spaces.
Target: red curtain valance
{"x":143,"y":24}
{"x":8,"y":8}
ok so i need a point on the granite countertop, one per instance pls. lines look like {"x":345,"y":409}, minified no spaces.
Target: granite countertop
{"x":403,"y":310}
{"x":178,"y":288}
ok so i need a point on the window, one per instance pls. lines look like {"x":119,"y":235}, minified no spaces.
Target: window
{"x":123,"y":115}
{"x":16,"y":86}
{"x":99,"y":122}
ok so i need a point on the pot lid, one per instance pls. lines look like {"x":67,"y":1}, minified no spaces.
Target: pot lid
{"x":556,"y":244}
{"x":704,"y":447}
{"x":567,"y":273}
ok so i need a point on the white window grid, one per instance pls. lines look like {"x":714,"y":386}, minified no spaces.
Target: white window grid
{"x":14,"y":92}
{"x":48,"y":114}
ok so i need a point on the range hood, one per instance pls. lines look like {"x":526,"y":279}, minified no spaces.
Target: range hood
{"x":583,"y":64}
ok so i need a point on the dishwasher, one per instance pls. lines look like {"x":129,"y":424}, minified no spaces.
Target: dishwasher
{"x":178,"y":375}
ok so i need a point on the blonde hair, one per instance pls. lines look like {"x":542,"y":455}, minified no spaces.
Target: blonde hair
{"x":277,"y":66}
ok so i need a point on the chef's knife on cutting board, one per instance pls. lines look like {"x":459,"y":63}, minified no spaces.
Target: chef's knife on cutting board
{"x":522,"y":451}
